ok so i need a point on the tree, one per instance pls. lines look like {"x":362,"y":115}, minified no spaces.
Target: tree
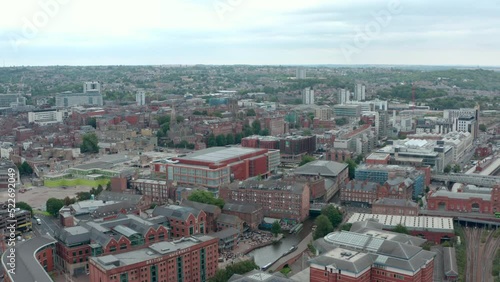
{"x":482,"y":127}
{"x":446,"y":244}
{"x":307,"y":132}
{"x":306,"y":159}
{"x":89,"y":143}
{"x":401,"y":229}
{"x":447,"y":169}
{"x":427,"y":189}
{"x":359,"y":159}
{"x":352,"y":167}
{"x":92,"y":122}
{"x":25,"y":169}
{"x":346,"y":226}
{"x":69,"y":201}
{"x":276,"y":228}
{"x":24,"y":206}
{"x":457,"y":168}
{"x":229,"y":139}
{"x":220,"y":140}
{"x":83,"y":196}
{"x":323,"y":227}
{"x":341,"y":121}
{"x":264,"y":132}
{"x":211,"y":141}
{"x":237,"y":138}
{"x":53,"y":206}
{"x":179,"y":119}
{"x":251,"y":113}
{"x":333,"y":214}
{"x":256,"y":127}
{"x":108,"y":186}
{"x":205,"y":197}
{"x":242,"y":267}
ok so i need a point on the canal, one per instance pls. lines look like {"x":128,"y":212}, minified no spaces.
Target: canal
{"x":272,"y":252}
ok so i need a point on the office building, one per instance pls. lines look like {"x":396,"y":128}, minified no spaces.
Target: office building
{"x":12,"y":100}
{"x":140,"y":98}
{"x":278,"y":199}
{"x":380,"y":173}
{"x":368,"y":253}
{"x":91,"y":96}
{"x":291,"y":147}
{"x":467,"y":123}
{"x":323,"y":113}
{"x":44,"y":117}
{"x":347,"y":110}
{"x":359,"y":92}
{"x":187,"y":259}
{"x":8,"y":174}
{"x":308,"y":96}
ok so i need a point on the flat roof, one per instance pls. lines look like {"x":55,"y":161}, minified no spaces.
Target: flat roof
{"x":411,"y":222}
{"x":219,"y":154}
{"x":27,"y":266}
{"x":462,"y":195}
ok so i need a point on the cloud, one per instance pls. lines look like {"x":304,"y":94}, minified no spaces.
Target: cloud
{"x":249,"y":31}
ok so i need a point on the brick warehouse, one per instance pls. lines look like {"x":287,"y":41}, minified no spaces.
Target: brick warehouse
{"x":465,"y":201}
{"x":187,"y":259}
{"x":215,"y":166}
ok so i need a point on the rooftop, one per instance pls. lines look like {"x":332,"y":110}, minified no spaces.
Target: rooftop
{"x":258,"y":276}
{"x":463,"y":195}
{"x":323,"y":168}
{"x":154,"y":251}
{"x":220,"y":154}
{"x":444,"y":224}
{"x":27,"y":267}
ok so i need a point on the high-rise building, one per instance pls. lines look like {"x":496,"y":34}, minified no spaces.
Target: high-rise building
{"x":359,"y":92}
{"x":12,"y":100}
{"x":91,"y":86}
{"x":44,"y":117}
{"x":344,"y":96}
{"x":308,"y":96}
{"x":140,"y":98}
{"x":472,"y":126}
{"x":91,"y":96}
{"x":323,"y":113}
{"x":301,"y":73}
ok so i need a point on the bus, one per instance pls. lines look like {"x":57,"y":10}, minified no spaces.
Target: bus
{"x":497,"y":214}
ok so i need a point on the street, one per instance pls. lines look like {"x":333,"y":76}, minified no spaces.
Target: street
{"x":49,"y":225}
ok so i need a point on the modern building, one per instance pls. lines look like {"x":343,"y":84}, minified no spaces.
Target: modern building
{"x":291,"y":147}
{"x":12,"y":100}
{"x":33,"y":260}
{"x":335,"y":174}
{"x":9,"y":174}
{"x":359,"y":92}
{"x":380,"y":173}
{"x":91,"y":96}
{"x":95,"y":238}
{"x":468,"y":124}
{"x":44,"y":117}
{"x":187,"y":259}
{"x":22,"y":220}
{"x":434,"y":229}
{"x":418,"y":153}
{"x":156,"y":190}
{"x":323,"y":113}
{"x":216,"y":166}
{"x":347,"y":110}
{"x":308,"y":96}
{"x":368,"y":253}
{"x":140,"y":98}
{"x":278,"y":199}
{"x":460,"y":141}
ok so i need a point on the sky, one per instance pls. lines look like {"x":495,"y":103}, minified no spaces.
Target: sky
{"x":256,"y":32}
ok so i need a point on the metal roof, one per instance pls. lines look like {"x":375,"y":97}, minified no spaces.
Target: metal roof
{"x":323,"y":168}
{"x":411,"y":222}
{"x":219,"y":154}
{"x":450,"y":262}
{"x":125,"y":231}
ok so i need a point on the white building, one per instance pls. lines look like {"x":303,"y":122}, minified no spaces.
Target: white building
{"x":344,"y":96}
{"x":301,"y":73}
{"x":359,"y":92}
{"x":12,"y":100}
{"x":44,"y":117}
{"x":91,"y":86}
{"x":140,"y":98}
{"x":308,"y":96}
{"x":454,"y":115}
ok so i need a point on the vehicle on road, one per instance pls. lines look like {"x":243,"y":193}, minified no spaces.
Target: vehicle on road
{"x":38,"y":221}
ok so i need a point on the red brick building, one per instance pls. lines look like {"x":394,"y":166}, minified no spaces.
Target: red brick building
{"x":96,"y":238}
{"x":183,"y":221}
{"x":188,"y":259}
{"x":278,"y":199}
{"x":395,"y":207}
{"x":212,"y":212}
{"x":467,"y":201}
{"x":371,"y":255}
{"x":215,"y":166}
{"x":252,"y":215}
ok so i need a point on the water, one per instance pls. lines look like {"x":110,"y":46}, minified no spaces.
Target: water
{"x":272,"y":252}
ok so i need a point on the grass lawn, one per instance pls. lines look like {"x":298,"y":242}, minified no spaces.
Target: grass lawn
{"x":75,"y":182}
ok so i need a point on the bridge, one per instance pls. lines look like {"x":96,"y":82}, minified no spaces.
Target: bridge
{"x":472,"y":179}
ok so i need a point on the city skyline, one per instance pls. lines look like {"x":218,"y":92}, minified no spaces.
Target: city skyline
{"x":63,"y":32}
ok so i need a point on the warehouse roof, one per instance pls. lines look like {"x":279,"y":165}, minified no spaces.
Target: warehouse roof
{"x":220,"y":154}
{"x":444,"y":224}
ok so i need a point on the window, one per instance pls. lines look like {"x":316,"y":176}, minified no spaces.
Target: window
{"x":112,"y":249}
{"x":123,"y":246}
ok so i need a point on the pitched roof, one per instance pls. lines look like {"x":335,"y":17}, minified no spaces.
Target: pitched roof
{"x":242,"y":208}
{"x":259,"y":276}
{"x":228,"y":218}
{"x":450,"y":262}
{"x":228,"y":232}
{"x":323,"y":168}
{"x":175,"y":212}
{"x":201,"y":206}
{"x":119,"y":197}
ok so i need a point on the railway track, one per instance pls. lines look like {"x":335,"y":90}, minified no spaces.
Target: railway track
{"x":480,"y":255}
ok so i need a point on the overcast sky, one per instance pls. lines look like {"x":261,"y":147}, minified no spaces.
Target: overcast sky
{"x":122,"y":32}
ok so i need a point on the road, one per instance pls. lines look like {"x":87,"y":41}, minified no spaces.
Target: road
{"x":301,"y":247}
{"x":49,"y":225}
